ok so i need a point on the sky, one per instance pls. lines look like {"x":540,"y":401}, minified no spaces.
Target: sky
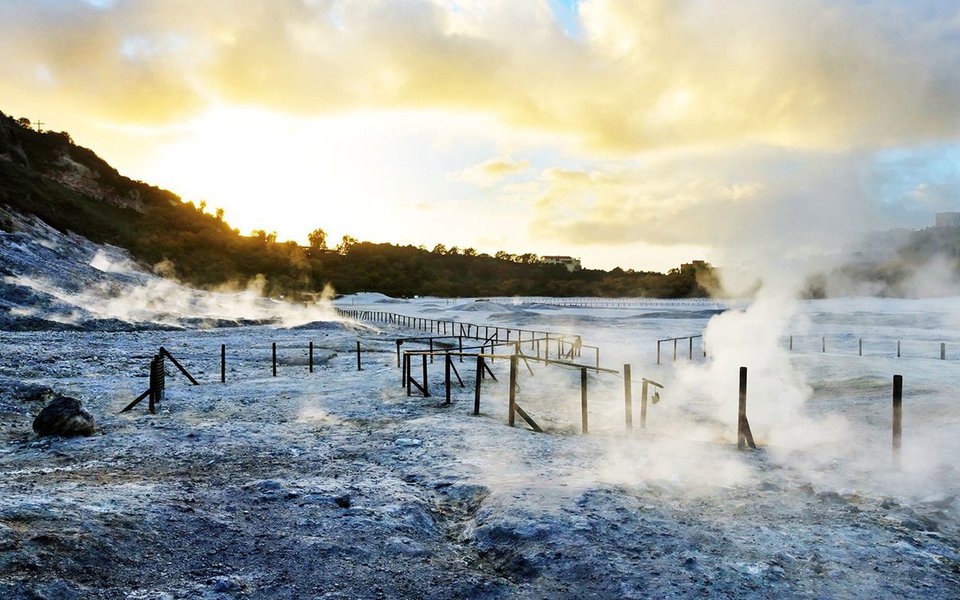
{"x":631,"y":133}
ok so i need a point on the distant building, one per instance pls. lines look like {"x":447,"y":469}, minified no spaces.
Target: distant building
{"x":695,"y":265}
{"x":948,"y":219}
{"x":572,"y":264}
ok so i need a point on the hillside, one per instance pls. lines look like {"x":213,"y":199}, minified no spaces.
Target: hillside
{"x":898,"y":264}
{"x":70,"y":188}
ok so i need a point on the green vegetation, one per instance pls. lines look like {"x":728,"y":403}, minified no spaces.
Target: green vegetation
{"x":71,"y":188}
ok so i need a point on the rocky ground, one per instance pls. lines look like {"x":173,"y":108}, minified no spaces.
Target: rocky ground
{"x":335,"y":484}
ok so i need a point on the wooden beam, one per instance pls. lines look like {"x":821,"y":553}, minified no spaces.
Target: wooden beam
{"x":177,"y":364}
{"x":137,"y":401}
{"x":523,"y":415}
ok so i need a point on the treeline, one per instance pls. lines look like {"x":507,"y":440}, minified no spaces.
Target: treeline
{"x":71,"y":188}
{"x":407,"y":271}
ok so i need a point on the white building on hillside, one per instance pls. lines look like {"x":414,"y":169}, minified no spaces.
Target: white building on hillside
{"x":572,"y":264}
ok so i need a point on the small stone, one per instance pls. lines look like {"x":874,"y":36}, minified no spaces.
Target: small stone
{"x":408,"y":442}
{"x":225,"y":584}
{"x":343,"y":500}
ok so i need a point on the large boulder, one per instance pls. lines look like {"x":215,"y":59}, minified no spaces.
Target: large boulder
{"x":64,"y":416}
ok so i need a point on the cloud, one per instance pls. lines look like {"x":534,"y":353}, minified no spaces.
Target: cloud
{"x":490,"y":172}
{"x":653,"y":74}
{"x":755,"y":201}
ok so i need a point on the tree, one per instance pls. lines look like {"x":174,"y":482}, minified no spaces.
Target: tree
{"x":317,"y":239}
{"x":528,"y":258}
{"x":219,"y":214}
{"x":264,"y":237}
{"x":469,"y":252}
{"x":454,"y":251}
{"x":24,"y":122}
{"x":439,"y":249}
{"x":346,"y":243}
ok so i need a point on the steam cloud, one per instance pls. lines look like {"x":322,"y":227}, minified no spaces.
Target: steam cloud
{"x":139,"y":297}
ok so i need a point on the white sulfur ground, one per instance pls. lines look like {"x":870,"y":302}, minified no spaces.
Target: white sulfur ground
{"x":336,"y":484}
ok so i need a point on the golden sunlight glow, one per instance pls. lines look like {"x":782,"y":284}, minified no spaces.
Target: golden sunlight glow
{"x":284,"y":174}
{"x":428,"y":121}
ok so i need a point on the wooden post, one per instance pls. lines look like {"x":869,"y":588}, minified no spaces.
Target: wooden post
{"x":431,"y":350}
{"x":512,"y":411}
{"x":406,"y":372}
{"x":223,"y":363}
{"x":690,"y":357}
{"x":898,"y":348}
{"x":154,"y":384}
{"x":162,"y":378}
{"x":274,"y":359}
{"x":823,"y":344}
{"x":943,"y":351}
{"x":426,"y":388}
{"x":658,"y":352}
{"x":674,"y":349}
{"x":310,"y":357}
{"x":583,"y":400}
{"x":359,"y":368}
{"x":897,"y":417}
{"x":476,"y":389}
{"x":744,"y":435}
{"x":627,"y":398}
{"x":742,"y":409}
{"x":860,"y":344}
{"x":399,"y":343}
{"x":643,"y":404}
{"x":158,"y":383}
{"x":446,"y":375}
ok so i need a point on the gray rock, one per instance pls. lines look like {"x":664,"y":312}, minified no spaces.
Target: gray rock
{"x":223,"y":585}
{"x":64,"y":416}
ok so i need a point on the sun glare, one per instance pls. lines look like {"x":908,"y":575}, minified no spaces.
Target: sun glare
{"x":289,"y":175}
